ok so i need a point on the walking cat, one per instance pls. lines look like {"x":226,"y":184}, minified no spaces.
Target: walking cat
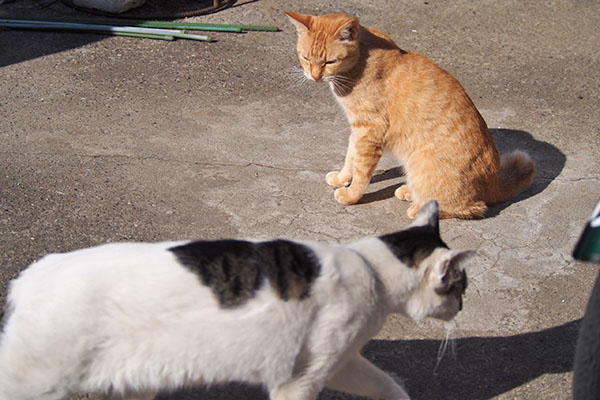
{"x":403,"y":102}
{"x":130,"y":319}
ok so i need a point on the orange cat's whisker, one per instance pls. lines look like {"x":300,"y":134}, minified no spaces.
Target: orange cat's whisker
{"x":341,"y":84}
{"x":298,"y":77}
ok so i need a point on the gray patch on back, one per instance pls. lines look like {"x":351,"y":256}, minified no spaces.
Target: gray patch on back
{"x":236,"y":269}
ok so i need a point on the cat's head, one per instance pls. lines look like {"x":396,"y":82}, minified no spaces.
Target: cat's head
{"x":327,"y":44}
{"x":442,"y":278}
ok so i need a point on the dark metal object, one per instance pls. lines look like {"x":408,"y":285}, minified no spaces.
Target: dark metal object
{"x":586,"y":371}
{"x":588,"y":246}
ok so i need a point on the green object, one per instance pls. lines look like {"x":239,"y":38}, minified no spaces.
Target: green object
{"x":588,"y":246}
{"x":191,"y":26}
{"x":264,"y":28}
{"x":148,"y":24}
{"x":153,"y":33}
{"x":145,"y":36}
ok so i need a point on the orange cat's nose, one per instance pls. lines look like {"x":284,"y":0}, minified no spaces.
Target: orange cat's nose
{"x":316,"y":73}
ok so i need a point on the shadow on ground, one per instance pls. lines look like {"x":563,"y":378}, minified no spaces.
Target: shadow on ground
{"x":19,"y":45}
{"x":548,"y":159}
{"x":481,"y":367}
{"x":386,"y":192}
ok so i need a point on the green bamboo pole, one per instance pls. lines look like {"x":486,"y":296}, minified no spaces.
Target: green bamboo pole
{"x":190,"y":26}
{"x":200,"y":26}
{"x":143,"y":35}
{"x":264,"y":28}
{"x":139,"y":31}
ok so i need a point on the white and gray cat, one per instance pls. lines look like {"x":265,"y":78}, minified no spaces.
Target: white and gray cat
{"x":132,"y":319}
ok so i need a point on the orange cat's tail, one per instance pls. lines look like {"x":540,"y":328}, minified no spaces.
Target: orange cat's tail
{"x":517,"y":170}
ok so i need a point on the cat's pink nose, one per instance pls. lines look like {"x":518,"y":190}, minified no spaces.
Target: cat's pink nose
{"x":316,"y":73}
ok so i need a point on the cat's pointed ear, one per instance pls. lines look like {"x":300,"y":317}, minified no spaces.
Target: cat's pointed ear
{"x":428,"y":215}
{"x":348,"y":30}
{"x":452,"y":259}
{"x":300,"y":21}
{"x":448,"y":269}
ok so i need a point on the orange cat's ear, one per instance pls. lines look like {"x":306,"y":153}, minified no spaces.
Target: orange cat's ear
{"x":348,"y":30}
{"x":301,"y":21}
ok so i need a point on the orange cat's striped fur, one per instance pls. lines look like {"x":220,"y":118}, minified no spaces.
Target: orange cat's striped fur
{"x":403,"y":102}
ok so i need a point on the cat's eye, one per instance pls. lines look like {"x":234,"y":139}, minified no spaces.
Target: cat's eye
{"x":331,"y":62}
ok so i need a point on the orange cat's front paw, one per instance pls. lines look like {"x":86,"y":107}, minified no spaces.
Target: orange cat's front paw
{"x":413,"y":210}
{"x":403,"y":193}
{"x":343,"y":196}
{"x":337,"y":180}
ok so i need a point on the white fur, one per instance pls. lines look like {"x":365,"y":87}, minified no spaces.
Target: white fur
{"x":128,"y":319}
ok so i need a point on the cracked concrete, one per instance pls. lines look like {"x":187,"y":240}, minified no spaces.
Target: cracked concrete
{"x":109,"y":139}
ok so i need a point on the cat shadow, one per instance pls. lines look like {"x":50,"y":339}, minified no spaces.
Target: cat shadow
{"x":391,"y":173}
{"x":549,"y":162}
{"x":480,"y":368}
{"x":386,"y":192}
{"x":548,"y":159}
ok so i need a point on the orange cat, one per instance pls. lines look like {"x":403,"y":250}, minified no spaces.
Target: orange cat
{"x":402,"y":102}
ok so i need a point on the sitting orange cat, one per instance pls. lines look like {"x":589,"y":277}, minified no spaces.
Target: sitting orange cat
{"x":402,"y":102}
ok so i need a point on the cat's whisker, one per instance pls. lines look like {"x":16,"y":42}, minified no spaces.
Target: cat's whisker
{"x":345,"y":81}
{"x":299,"y":81}
{"x":340,"y":83}
{"x":297,"y":77}
{"x":344,"y":78}
{"x":450,"y":328}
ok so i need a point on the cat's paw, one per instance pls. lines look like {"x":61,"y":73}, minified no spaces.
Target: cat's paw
{"x":344,"y":196}
{"x":413,"y":210}
{"x":403,"y":193}
{"x":337,"y":180}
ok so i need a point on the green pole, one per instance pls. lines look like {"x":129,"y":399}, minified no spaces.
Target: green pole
{"x":200,"y":26}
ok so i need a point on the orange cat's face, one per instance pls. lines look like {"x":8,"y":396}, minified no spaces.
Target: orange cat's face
{"x":327,"y":44}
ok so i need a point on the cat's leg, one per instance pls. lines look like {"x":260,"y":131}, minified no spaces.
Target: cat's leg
{"x":413,"y":210}
{"x":403,"y":193}
{"x":368,"y":150}
{"x":344,"y":176}
{"x":297,"y":389}
{"x":360,"y":377}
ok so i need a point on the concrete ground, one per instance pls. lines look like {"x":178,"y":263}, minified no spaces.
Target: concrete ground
{"x":111,"y":139}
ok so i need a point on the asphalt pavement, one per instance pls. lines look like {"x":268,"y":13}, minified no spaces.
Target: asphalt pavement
{"x":126,"y":139}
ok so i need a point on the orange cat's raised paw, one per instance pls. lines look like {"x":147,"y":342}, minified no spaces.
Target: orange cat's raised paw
{"x":403,"y":193}
{"x":343,"y":196}
{"x":337,"y":180}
